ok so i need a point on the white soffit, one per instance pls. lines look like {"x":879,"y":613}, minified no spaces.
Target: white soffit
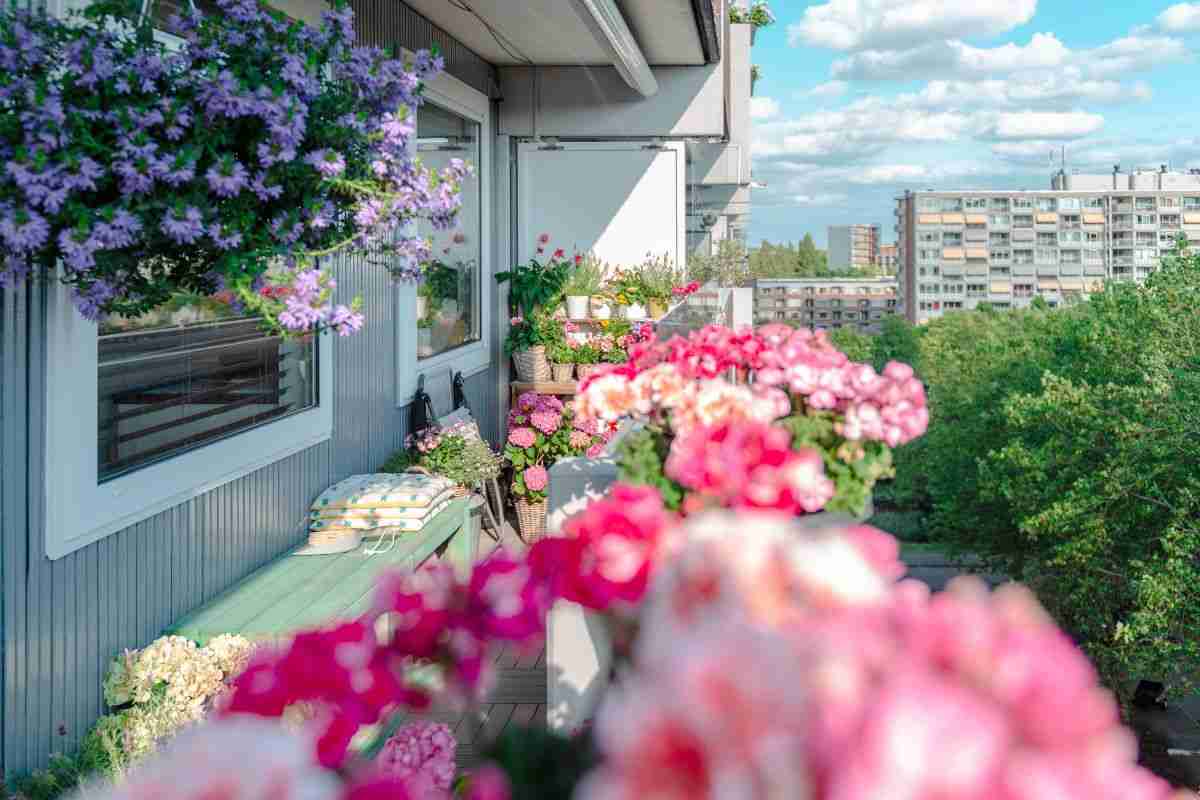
{"x":556,"y":32}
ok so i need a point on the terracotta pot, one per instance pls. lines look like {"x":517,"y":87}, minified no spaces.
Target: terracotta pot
{"x":563,"y":372}
{"x":532,"y":365}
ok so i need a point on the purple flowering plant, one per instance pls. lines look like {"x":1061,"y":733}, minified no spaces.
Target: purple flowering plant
{"x":233,"y":165}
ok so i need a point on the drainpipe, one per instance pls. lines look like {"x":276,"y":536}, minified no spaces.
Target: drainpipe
{"x":629,"y":61}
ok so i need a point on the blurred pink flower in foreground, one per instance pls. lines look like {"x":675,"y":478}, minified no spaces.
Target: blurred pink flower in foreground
{"x":423,"y":753}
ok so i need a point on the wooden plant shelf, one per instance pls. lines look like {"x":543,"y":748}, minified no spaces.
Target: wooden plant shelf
{"x":556,"y":388}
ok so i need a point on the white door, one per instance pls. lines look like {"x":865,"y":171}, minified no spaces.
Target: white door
{"x":622,"y":200}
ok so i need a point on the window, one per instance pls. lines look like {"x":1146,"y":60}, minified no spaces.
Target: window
{"x":1093,"y":256}
{"x":998,"y":238}
{"x":952,"y":204}
{"x":1071,"y":257}
{"x":1093,"y":203}
{"x":1122,"y":220}
{"x":1144,"y":203}
{"x":1167,"y":238}
{"x":952,"y":239}
{"x":1068,"y":204}
{"x":1191,"y":203}
{"x":975,"y":203}
{"x":999,"y":203}
{"x":1147,"y":238}
{"x":1046,"y":204}
{"x":1001,"y":255}
{"x":1093,"y":236}
{"x":1071,"y":220}
{"x":443,"y":323}
{"x":190,"y":373}
{"x":448,"y":299}
{"x":1145,"y":219}
{"x":1022,"y":256}
{"x":1022,"y":202}
{"x":1047,"y":255}
{"x":1047,"y":239}
{"x":999,"y":220}
{"x":1000,"y":271}
{"x":929,"y":236}
{"x":1022,"y":220}
{"x":1070,"y":237}
{"x":929,"y":204}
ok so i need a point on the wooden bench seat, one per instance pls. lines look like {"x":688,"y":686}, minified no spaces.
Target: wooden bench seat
{"x":294,"y":592}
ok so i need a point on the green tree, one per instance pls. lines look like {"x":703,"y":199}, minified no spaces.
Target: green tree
{"x":858,"y":346}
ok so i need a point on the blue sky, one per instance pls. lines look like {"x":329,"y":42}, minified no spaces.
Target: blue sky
{"x":862,"y":99}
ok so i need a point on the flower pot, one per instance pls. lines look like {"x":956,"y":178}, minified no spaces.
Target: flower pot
{"x":583,"y":371}
{"x":422,"y":306}
{"x":563,"y":372}
{"x":531,"y":517}
{"x":658,"y":309}
{"x":532,"y":365}
{"x":577,"y":306}
{"x":601,"y":309}
{"x":635,"y":311}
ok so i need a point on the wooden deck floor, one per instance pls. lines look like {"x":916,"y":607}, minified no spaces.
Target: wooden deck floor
{"x":519,"y":696}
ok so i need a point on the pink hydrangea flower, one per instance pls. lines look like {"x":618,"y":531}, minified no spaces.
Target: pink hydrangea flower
{"x":546,"y":421}
{"x":536,"y":478}
{"x":522,"y":437}
{"x":421,"y":752}
{"x":580,"y":440}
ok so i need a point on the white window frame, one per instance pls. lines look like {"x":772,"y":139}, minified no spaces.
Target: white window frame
{"x":453,"y":95}
{"x":79,"y":509}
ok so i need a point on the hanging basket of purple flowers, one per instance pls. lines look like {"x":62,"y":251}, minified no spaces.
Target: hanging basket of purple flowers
{"x":228,"y":165}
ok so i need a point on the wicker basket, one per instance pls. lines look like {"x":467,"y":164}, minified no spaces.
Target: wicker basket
{"x":563,"y":372}
{"x":532,"y":519}
{"x":532,"y":365}
{"x":583,"y":371}
{"x":461,"y":491}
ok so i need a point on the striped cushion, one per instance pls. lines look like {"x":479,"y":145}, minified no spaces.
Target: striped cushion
{"x":346,"y":524}
{"x":383,"y":490}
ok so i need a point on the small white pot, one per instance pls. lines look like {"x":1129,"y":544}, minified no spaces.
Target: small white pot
{"x":635,"y":311}
{"x":577,"y":306}
{"x":600,"y":309}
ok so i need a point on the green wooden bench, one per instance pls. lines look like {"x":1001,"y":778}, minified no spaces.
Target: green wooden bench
{"x":296,"y":592}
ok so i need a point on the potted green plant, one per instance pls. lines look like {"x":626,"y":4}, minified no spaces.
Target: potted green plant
{"x":583,"y":282}
{"x":560,"y":355}
{"x":758,"y":15}
{"x":629,"y":292}
{"x":526,"y":343}
{"x":455,"y":453}
{"x":537,"y":284}
{"x":601,"y":305}
{"x":658,"y":278}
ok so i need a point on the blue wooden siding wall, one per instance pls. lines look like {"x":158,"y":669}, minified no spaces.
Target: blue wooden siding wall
{"x":63,"y":620}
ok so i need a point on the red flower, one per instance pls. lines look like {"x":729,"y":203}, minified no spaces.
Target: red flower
{"x":578,"y":259}
{"x":559,"y":253}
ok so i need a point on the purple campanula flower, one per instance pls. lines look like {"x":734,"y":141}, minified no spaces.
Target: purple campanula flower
{"x":27,"y":235}
{"x":223,"y":237}
{"x":184,"y":229}
{"x":77,"y":252}
{"x":13,"y":271}
{"x":90,"y":299}
{"x":263,"y":191}
{"x":327,"y":162}
{"x":228,"y":179}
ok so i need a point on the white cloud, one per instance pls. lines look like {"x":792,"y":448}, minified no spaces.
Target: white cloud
{"x":831,"y":199}
{"x":891,"y":24}
{"x":888,"y":173}
{"x":1042,"y":125}
{"x":953,"y":59}
{"x":1180,"y":18}
{"x":828,"y":89}
{"x":1066,"y":88}
{"x":763,"y":108}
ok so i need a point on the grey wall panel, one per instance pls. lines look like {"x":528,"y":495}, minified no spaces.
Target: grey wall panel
{"x":64,"y":620}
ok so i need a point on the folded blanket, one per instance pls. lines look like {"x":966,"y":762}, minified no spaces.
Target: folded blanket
{"x":383,"y":490}
{"x":336,"y":524}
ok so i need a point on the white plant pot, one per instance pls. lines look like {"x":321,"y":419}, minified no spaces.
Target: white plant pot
{"x":577,"y":306}
{"x":635,"y":311}
{"x":600,"y":309}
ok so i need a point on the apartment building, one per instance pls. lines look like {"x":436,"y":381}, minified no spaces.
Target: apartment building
{"x":826,"y":303}
{"x":853,"y":246}
{"x":958,"y":249}
{"x":887,"y":258}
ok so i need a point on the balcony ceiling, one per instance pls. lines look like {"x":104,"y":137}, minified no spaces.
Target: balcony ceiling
{"x":560,"y":32}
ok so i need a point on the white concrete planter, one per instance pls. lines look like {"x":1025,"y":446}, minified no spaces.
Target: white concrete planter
{"x":635,"y":311}
{"x":577,"y":306}
{"x":601,"y":309}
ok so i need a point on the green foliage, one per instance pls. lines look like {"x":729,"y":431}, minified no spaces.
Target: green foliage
{"x":857,"y":346}
{"x":729,"y":266}
{"x":536,"y":285}
{"x":62,"y":777}
{"x":854,"y":467}
{"x":1064,"y":448}
{"x":586,"y":278}
{"x":538,"y":329}
{"x":542,"y":765}
{"x":658,"y":277}
{"x":898,"y":340}
{"x":907,"y":526}
{"x":640,"y":459}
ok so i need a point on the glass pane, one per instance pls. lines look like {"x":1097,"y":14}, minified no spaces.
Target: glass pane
{"x":448,"y":298}
{"x":191,"y":372}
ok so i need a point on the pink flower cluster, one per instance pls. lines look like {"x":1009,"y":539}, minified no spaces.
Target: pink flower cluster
{"x":531,"y":402}
{"x":786,"y":663}
{"x":352,"y":678}
{"x":536,"y":478}
{"x":686,"y":290}
{"x":522,"y":437}
{"x":607,"y":554}
{"x":750,"y":465}
{"x":422,"y":753}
